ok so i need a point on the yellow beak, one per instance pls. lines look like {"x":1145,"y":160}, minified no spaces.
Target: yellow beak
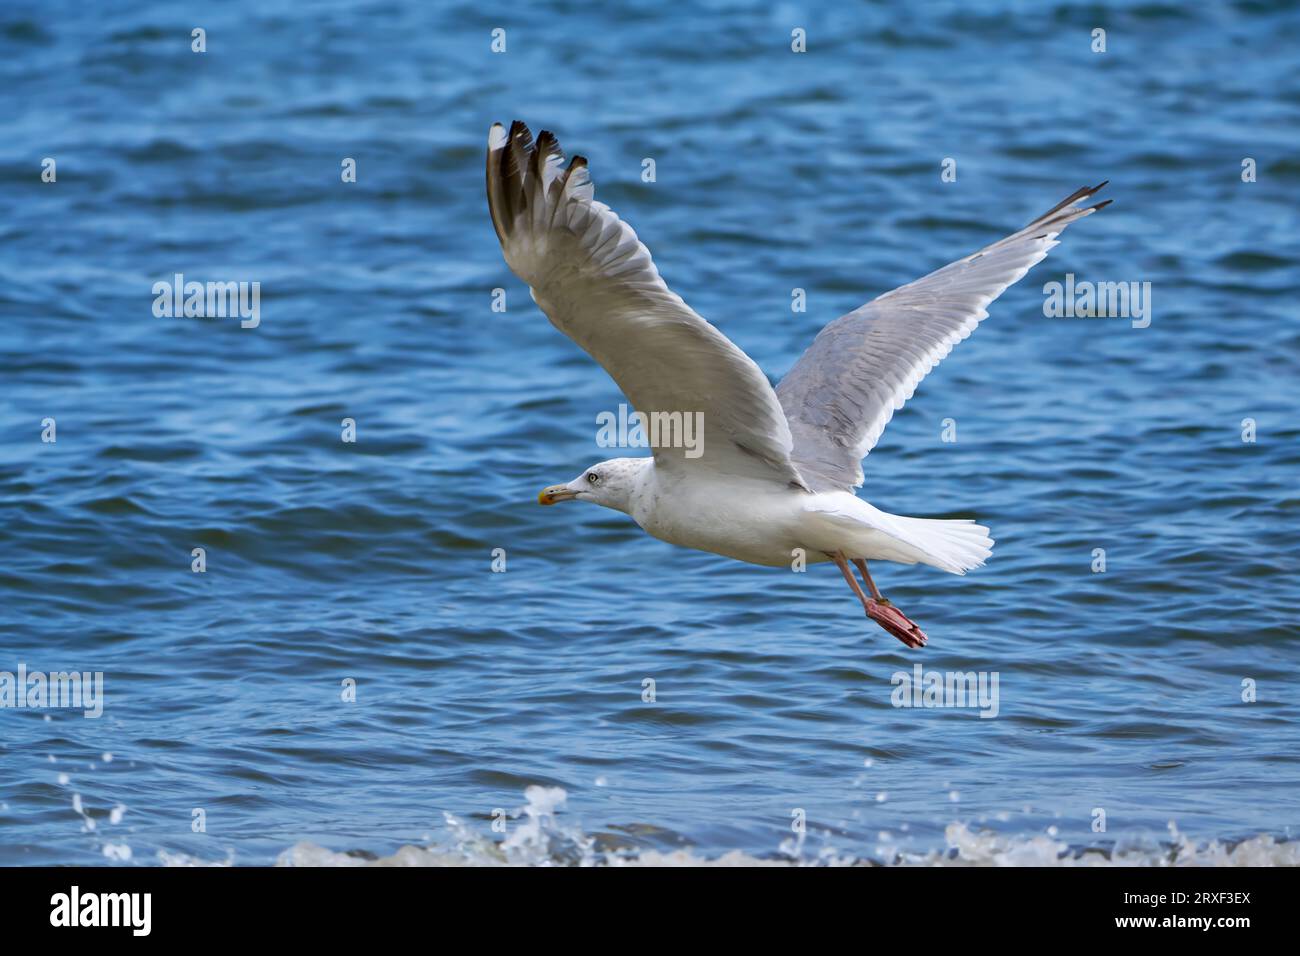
{"x":550,"y":495}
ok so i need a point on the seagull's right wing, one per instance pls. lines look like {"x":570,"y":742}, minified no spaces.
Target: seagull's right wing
{"x":862,"y":367}
{"x":598,"y":285}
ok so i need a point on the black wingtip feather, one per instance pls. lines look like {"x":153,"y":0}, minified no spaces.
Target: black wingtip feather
{"x":514,"y":164}
{"x":1083,"y":192}
{"x":516,"y":171}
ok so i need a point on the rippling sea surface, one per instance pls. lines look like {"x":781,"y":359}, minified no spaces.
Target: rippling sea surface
{"x":1157,"y":697}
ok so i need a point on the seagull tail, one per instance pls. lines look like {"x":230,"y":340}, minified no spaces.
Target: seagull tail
{"x":861,"y":530}
{"x":953,"y":545}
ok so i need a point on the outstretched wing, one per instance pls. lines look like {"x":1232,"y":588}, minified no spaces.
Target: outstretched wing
{"x":598,"y":285}
{"x":862,"y":367}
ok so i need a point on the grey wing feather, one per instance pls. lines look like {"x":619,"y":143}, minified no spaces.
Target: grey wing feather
{"x":861,"y":368}
{"x":596,"y":282}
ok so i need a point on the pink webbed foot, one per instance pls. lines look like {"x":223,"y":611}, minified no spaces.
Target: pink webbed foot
{"x":896,"y":622}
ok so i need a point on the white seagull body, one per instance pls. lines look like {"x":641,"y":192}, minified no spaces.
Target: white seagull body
{"x":776,"y":469}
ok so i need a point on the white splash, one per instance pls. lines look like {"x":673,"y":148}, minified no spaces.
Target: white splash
{"x":539,"y":837}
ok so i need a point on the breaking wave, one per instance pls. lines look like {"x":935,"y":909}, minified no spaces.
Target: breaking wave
{"x":538,"y":836}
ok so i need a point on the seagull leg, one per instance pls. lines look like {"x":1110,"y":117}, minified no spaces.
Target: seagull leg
{"x":866,"y":578}
{"x":878,"y":607}
{"x":838,"y":558}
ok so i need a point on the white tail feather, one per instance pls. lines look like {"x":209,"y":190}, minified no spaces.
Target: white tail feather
{"x":956,"y":545}
{"x":861,"y":530}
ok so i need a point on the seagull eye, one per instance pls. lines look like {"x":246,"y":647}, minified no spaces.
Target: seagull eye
{"x":592,"y":478}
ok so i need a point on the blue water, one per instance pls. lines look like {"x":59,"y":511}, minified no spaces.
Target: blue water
{"x":372,"y":560}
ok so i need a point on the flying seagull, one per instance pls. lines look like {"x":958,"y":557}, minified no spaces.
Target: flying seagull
{"x":774,"y":473}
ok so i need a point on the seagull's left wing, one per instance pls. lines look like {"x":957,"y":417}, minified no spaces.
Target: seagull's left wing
{"x":598,"y":285}
{"x":862,"y":367}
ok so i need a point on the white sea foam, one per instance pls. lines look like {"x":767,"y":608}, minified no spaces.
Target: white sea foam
{"x":541,"y":838}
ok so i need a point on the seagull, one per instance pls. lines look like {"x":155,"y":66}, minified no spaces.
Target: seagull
{"x":772,"y":478}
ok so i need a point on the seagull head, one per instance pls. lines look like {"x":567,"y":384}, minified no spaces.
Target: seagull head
{"x":612,"y":484}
